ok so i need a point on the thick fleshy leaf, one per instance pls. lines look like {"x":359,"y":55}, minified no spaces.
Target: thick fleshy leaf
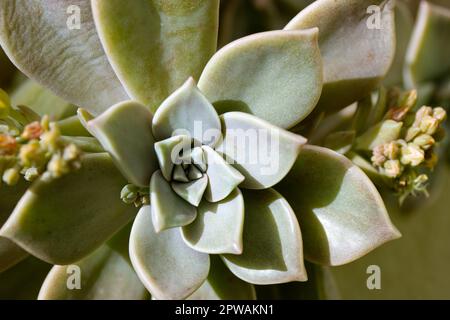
{"x":155,"y":45}
{"x":41,"y":101}
{"x":381,"y":133}
{"x":187,"y":112}
{"x":263,"y":153}
{"x":168,"y":152}
{"x":357,"y":43}
{"x":404,"y":23}
{"x":272,"y":241}
{"x":62,"y":220}
{"x":192,"y":191}
{"x":321,"y":285}
{"x":44,"y":42}
{"x":10,"y":253}
{"x":341,"y":212}
{"x":276,"y":75}
{"x":168,"y":209}
{"x":223,"y":178}
{"x":125,"y":132}
{"x":105,"y":274}
{"x":167,"y":267}
{"x":218,"y":227}
{"x":429,"y":47}
{"x":221,"y":284}
{"x":72,"y":126}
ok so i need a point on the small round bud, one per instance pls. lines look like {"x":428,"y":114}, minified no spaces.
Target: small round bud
{"x":129,"y":193}
{"x":439,"y":114}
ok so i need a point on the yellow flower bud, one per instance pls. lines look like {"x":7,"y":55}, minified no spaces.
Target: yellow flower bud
{"x":57,"y":166}
{"x":11,"y":176}
{"x":31,"y":154}
{"x":8,"y":145}
{"x":424,"y":141}
{"x":392,"y":168}
{"x":50,"y":139}
{"x":392,"y":150}
{"x":439,"y":114}
{"x":428,"y":125}
{"x":31,"y":174}
{"x":412,"y":154}
{"x":32,"y":131}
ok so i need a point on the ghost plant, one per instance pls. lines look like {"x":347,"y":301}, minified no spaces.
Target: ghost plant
{"x":203,"y":144}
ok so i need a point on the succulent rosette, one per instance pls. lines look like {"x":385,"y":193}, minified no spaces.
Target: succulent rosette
{"x":218,"y":213}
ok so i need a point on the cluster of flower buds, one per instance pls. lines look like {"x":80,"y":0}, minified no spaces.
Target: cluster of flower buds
{"x":32,"y":148}
{"x":405,"y":157}
{"x":136,"y":195}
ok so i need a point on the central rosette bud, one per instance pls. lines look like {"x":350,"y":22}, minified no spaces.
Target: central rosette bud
{"x":186,"y":165}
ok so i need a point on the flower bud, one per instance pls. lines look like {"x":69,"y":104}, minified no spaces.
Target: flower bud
{"x":392,"y":168}
{"x":31,"y":174}
{"x":8,"y":145}
{"x":424,"y":141}
{"x":439,"y":114}
{"x":428,"y":125}
{"x":50,"y":139}
{"x":421,"y":113}
{"x":31,"y":154}
{"x":32,"y":131}
{"x":412,"y":154}
{"x":11,"y":176}
{"x":129,"y":193}
{"x":71,"y":152}
{"x":378,"y":157}
{"x":392,"y":150}
{"x":57,"y":166}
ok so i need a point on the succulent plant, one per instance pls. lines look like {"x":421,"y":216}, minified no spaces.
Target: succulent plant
{"x":210,"y":147}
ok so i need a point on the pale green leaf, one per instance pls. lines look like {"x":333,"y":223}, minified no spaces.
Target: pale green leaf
{"x":125,"y":132}
{"x":167,"y":267}
{"x":263,"y":153}
{"x":106,"y":274}
{"x":218,"y":227}
{"x":427,"y":56}
{"x":44,"y":42}
{"x":187,"y":112}
{"x":222,"y":177}
{"x":272,"y":241}
{"x":221,"y":284}
{"x":341,"y":213}
{"x":62,"y":220}
{"x":357,"y":43}
{"x":168,"y":209}
{"x":276,"y":76}
{"x":155,"y":45}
